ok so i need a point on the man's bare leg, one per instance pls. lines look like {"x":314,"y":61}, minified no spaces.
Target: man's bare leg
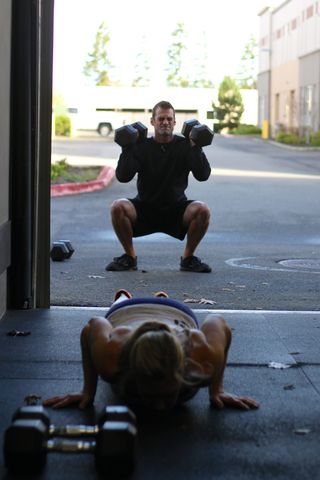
{"x":123,"y":216}
{"x":197,"y":217}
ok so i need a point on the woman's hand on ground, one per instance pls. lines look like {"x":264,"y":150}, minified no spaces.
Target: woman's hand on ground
{"x":62,"y":401}
{"x":224,"y":399}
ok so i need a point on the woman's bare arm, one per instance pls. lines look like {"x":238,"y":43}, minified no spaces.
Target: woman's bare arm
{"x":218,"y":336}
{"x":94,"y":341}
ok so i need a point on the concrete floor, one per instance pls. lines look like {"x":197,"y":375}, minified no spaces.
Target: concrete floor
{"x":278,"y":441}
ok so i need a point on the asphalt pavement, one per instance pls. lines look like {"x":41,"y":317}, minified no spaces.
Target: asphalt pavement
{"x":262,"y":243}
{"x":265,"y":208}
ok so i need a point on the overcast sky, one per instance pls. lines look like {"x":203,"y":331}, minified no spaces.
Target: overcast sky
{"x":146,"y":25}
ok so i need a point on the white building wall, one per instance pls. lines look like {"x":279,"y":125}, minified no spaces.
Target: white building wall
{"x":250,"y":102}
{"x":285,"y":25}
{"x":264,"y":40}
{"x":295,"y":27}
{"x":309,"y":27}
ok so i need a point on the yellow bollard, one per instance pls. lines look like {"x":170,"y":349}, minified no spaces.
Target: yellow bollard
{"x":265,"y":129}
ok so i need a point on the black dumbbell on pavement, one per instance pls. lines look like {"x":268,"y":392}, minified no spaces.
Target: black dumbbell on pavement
{"x":201,"y":134}
{"x":129,"y":135}
{"x":61,"y":250}
{"x":113,"y":413}
{"x":27,"y":442}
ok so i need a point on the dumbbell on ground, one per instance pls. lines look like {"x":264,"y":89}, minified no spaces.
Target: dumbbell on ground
{"x":115,"y":413}
{"x":201,"y":134}
{"x":26,"y":447}
{"x":61,"y":250}
{"x":130,"y":134}
{"x":27,"y":443}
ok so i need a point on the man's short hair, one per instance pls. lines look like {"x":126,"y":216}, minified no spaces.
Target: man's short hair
{"x":163,"y":104}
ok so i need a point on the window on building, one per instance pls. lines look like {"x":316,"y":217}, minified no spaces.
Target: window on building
{"x":293,"y":24}
{"x":307,"y":108}
{"x":309,"y":11}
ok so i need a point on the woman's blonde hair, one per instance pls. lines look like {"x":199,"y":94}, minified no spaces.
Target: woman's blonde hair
{"x":152,"y":366}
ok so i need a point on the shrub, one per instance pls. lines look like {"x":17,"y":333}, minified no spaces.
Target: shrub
{"x":244,"y":129}
{"x":58,"y":169}
{"x":218,"y":127}
{"x":315,"y":139}
{"x":296,"y":140}
{"x":289,"y":139}
{"x":281,"y":136}
{"x":62,"y":125}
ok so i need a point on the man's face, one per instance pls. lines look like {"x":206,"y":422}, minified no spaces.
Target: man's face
{"x":163,"y":122}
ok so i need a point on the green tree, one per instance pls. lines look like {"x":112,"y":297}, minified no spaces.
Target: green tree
{"x":247,"y":76}
{"x":142,"y":66}
{"x":230,"y":107}
{"x":175,"y":53}
{"x":98,"y":64}
{"x":180,"y":58}
{"x":200,"y":64}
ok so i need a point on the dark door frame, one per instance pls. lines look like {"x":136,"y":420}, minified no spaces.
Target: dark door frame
{"x":30,"y":153}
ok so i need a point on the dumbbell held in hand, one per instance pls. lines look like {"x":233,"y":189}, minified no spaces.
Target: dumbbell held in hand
{"x":199,"y":133}
{"x":129,"y":135}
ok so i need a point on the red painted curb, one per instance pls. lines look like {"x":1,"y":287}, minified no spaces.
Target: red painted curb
{"x":104,"y":178}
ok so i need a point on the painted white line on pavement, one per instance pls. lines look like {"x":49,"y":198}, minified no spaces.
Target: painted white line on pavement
{"x":235,"y":262}
{"x":230,"y":172}
{"x":206,"y":310}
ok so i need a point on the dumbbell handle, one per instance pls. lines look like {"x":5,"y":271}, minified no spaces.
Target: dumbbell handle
{"x":73,"y":430}
{"x":70,"y":446}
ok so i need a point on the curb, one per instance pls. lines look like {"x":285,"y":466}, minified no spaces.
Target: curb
{"x":104,"y":178}
{"x":297,"y":148}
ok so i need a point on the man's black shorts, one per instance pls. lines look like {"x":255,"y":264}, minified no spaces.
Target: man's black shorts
{"x":166,"y":220}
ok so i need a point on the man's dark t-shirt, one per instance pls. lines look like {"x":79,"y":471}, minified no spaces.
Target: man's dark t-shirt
{"x":163,"y":170}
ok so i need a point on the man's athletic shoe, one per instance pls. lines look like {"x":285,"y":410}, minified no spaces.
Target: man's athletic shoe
{"x":194,"y":264}
{"x":120,"y":264}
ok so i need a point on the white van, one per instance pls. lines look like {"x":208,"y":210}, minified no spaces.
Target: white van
{"x":101,"y":120}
